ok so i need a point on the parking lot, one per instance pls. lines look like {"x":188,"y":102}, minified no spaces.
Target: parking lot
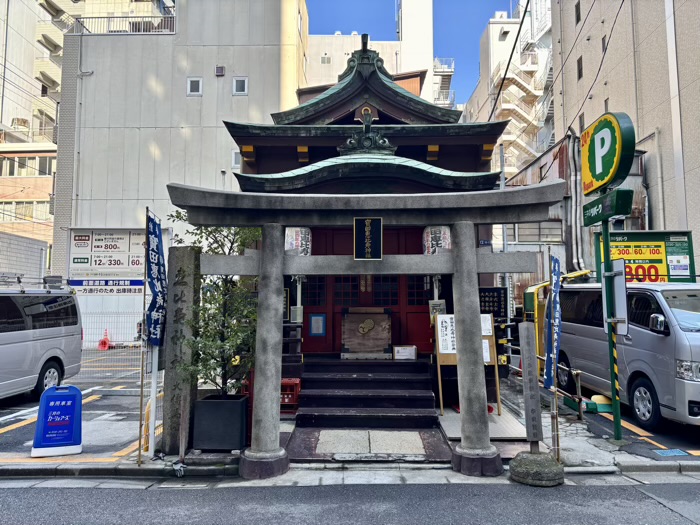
{"x":110,"y":383}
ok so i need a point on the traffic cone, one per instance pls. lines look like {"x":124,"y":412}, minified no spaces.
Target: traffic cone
{"x":104,"y":342}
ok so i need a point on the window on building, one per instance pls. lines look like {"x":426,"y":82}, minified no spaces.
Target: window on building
{"x":577,"y":12}
{"x":46,"y":166}
{"x":24,"y":211}
{"x":41,"y":211}
{"x":579,"y":68}
{"x":240,"y":85}
{"x":325,"y":60}
{"x":604,"y":42}
{"x":581,"y":124}
{"x":420,"y":290}
{"x":386,"y":290}
{"x":534,"y":232}
{"x":194,"y":86}
{"x":607,"y":104}
{"x":313,"y":291}
{"x":26,"y":166}
{"x":346,"y":290}
{"x":44,"y":90}
{"x":235,"y":159}
{"x":7,"y":211}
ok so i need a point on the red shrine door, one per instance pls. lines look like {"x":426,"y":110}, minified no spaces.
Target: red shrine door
{"x":327,"y":297}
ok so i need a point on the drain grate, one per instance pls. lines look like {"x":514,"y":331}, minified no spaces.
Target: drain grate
{"x":671,"y":452}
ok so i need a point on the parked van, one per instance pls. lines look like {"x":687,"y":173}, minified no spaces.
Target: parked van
{"x":658,"y":361}
{"x":40,"y":340}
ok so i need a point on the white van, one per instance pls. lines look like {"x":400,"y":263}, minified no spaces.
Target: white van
{"x":40,"y":340}
{"x":658,"y":361}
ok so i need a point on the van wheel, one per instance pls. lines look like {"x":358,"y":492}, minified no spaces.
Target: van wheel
{"x":49,"y":376}
{"x":645,"y":404}
{"x":565,"y":379}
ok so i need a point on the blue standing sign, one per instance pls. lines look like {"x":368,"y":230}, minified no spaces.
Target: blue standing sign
{"x":59,"y":428}
{"x":157,"y":282}
{"x":553,"y":324}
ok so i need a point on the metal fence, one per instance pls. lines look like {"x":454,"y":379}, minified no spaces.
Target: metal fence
{"x":124,"y":24}
{"x":111,"y":348}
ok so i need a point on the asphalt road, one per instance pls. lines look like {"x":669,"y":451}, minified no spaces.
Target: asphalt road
{"x":668,"y":436}
{"x":359,"y":504}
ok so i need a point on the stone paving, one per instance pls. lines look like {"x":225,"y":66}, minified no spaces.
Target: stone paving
{"x":343,"y":475}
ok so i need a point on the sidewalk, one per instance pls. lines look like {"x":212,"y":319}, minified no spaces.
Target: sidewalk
{"x":584,"y":454}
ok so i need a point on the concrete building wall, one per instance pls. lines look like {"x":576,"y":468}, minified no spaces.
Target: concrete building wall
{"x":23,"y":256}
{"x":338,"y":48}
{"x":637,"y":78}
{"x":412,"y":51}
{"x":19,"y":90}
{"x":416,"y":35}
{"x":128,"y":126}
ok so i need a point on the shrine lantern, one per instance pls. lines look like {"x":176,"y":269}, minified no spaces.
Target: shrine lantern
{"x":297,"y":241}
{"x":436,"y":239}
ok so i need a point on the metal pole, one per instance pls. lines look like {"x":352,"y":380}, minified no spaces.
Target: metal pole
{"x":154,"y":402}
{"x":612,"y":327}
{"x":143,"y":356}
{"x":504,"y":231}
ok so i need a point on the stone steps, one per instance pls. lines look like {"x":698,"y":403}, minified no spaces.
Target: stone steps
{"x":328,"y":417}
{"x":360,"y":398}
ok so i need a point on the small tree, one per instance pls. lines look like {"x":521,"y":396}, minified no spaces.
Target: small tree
{"x":223,"y":341}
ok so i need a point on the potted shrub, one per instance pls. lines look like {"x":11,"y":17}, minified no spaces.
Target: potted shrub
{"x":222,"y":352}
{"x":223,"y":341}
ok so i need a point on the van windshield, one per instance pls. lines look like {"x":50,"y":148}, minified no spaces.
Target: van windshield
{"x":685,"y":305}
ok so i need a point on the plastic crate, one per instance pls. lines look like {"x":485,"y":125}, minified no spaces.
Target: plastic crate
{"x":289,"y":394}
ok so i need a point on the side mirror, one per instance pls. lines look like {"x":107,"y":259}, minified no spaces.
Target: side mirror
{"x":657,"y":323}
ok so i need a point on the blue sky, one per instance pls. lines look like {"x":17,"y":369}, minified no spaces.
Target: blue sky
{"x":458,"y":25}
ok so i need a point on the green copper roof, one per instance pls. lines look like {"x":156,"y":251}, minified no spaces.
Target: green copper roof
{"x":367,"y":173}
{"x":366,"y":80}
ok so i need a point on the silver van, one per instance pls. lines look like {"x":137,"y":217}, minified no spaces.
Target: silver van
{"x":40,"y":340}
{"x":658,"y":362}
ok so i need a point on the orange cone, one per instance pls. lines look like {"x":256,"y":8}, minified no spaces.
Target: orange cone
{"x":104,"y":342}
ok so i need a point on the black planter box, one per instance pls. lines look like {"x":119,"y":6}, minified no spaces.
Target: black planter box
{"x":220,"y":423}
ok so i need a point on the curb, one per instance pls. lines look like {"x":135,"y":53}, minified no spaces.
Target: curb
{"x":71,"y":470}
{"x":675,"y":467}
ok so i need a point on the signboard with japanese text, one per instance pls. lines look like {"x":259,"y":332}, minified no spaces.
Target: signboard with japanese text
{"x":652,"y":256}
{"x":494,"y":300}
{"x":157,"y":282}
{"x":107,"y":262}
{"x":59,"y":423}
{"x":445,"y":327}
{"x":367,"y":235}
{"x":607,"y":152}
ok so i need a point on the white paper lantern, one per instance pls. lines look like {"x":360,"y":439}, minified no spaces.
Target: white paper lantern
{"x":436,"y":239}
{"x":297,"y":241}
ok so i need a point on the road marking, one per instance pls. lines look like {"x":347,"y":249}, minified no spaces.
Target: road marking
{"x":653,"y":443}
{"x":21,"y":413}
{"x":693,"y":452}
{"x":630,"y":427}
{"x":135,"y":445}
{"x":31,"y":420}
{"x":59,"y":459}
{"x":109,"y":368}
{"x":120,"y":387}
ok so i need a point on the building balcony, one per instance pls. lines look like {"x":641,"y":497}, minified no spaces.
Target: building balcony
{"x":136,"y":25}
{"x":509,"y":104}
{"x":529,"y":61}
{"x":57,"y":8}
{"x":444,"y":66}
{"x":49,"y":36}
{"x":48,"y":72}
{"x":444,"y":98}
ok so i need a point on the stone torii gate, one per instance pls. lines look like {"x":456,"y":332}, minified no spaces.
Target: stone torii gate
{"x":475,"y":455}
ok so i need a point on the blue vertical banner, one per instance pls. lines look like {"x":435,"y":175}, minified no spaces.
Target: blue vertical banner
{"x":553,"y":324}
{"x":157,"y":281}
